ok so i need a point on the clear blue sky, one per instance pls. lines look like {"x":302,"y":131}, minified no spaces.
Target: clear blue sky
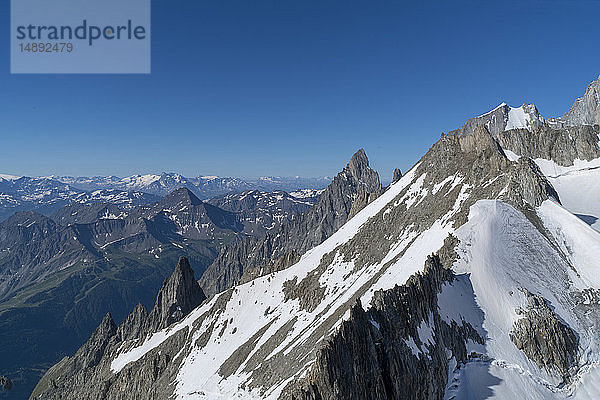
{"x":251,"y":88}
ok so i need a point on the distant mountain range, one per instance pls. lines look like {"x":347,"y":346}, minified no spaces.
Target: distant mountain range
{"x":48,"y":194}
{"x":202,"y":186}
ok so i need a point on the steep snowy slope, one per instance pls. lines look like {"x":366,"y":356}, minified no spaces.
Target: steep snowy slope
{"x":506,"y":257}
{"x":570,"y":160}
{"x":578,"y":187}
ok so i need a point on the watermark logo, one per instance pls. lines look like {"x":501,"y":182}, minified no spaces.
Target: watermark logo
{"x":80,"y":36}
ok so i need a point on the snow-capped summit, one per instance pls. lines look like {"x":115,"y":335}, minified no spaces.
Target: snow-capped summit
{"x":504,"y":118}
{"x":9,"y":177}
{"x":524,"y":117}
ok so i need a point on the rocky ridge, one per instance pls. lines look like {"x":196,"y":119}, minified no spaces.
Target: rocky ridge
{"x":369,"y":358}
{"x":346,"y":319}
{"x":261,"y":212}
{"x":475,"y":162}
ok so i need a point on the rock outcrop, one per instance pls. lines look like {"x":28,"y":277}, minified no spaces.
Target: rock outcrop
{"x":179,"y":295}
{"x":397,"y":175}
{"x":6,"y":383}
{"x":545,"y":339}
{"x":369,"y":358}
{"x":562,"y":145}
{"x":332,"y":210}
{"x":503,"y":118}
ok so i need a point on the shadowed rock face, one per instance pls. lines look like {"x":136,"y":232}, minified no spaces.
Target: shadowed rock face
{"x":368,"y":357}
{"x":255,"y":257}
{"x":90,"y":354}
{"x":87,"y":374}
{"x":544,"y":338}
{"x":6,"y":383}
{"x":179,"y":295}
{"x":562,"y":145}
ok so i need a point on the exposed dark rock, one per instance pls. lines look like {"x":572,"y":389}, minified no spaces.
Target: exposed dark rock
{"x":134,"y":326}
{"x":87,"y":375}
{"x":363,"y":198}
{"x":562,"y":145}
{"x":91,"y":352}
{"x":545,"y":339}
{"x":179,"y":295}
{"x":283,"y":262}
{"x":6,"y":383}
{"x":528,"y":185}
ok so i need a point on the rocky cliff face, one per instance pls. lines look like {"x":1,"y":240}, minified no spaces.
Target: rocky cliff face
{"x":585,"y":110}
{"x":307,"y":230}
{"x":179,"y":295}
{"x":561,"y":145}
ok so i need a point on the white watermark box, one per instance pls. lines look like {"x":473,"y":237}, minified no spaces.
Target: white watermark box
{"x":80,"y":36}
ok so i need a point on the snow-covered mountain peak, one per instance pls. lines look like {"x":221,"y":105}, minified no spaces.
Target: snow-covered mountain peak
{"x":523,"y":117}
{"x":504,"y":118}
{"x":274,"y":336}
{"x":9,"y":177}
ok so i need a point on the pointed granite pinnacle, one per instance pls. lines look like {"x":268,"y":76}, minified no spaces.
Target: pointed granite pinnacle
{"x":179,"y":295}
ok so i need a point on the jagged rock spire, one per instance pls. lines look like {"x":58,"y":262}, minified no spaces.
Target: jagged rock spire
{"x":360,"y":169}
{"x":397,"y":175}
{"x":179,"y":295}
{"x":90,"y":354}
{"x":351,"y":189}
